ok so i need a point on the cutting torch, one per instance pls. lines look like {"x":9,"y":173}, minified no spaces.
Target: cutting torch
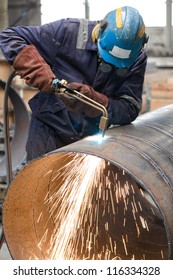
{"x":59,"y":85}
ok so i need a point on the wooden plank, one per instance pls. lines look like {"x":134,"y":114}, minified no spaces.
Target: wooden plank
{"x":1,"y":98}
{"x":162,"y":85}
{"x":144,"y":107}
{"x":156,"y":103}
{"x":5,"y":70}
{"x":163,"y":94}
{"x":162,"y":89}
{"x":27,"y":95}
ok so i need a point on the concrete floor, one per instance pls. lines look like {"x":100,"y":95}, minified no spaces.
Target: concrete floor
{"x":4,"y":252}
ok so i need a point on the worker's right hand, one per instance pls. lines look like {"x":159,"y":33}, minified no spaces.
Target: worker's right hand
{"x":30,"y":65}
{"x":71,"y":102}
{"x":75,"y":105}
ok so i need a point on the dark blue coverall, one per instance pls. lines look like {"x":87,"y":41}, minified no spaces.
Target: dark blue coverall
{"x":67,"y":46}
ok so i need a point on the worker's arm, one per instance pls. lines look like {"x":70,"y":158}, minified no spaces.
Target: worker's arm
{"x":31,"y":66}
{"x":11,"y":44}
{"x":125,"y":105}
{"x":26,"y":60}
{"x":23,"y":47}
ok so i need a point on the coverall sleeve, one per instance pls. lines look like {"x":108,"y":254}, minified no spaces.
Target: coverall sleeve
{"x":14,"y":39}
{"x":125,"y":107}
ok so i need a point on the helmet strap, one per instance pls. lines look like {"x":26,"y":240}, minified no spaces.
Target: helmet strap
{"x":103,"y":25}
{"x":99,"y":28}
{"x":146,"y":38}
{"x":95,"y":33}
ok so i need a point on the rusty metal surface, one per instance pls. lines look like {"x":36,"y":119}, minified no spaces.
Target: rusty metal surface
{"x":143,"y":150}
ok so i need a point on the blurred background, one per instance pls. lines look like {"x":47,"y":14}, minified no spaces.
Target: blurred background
{"x":158,"y":84}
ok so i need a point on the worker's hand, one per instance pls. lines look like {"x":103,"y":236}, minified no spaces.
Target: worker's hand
{"x":70,"y":101}
{"x":30,"y":65}
{"x":92,"y":94}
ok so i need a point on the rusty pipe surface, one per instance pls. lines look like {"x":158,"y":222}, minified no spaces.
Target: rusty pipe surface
{"x":129,"y":217}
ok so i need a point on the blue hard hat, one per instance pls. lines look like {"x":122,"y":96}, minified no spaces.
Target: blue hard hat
{"x":121,"y":37}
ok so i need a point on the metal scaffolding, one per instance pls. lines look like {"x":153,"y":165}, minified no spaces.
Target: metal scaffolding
{"x":168,"y":23}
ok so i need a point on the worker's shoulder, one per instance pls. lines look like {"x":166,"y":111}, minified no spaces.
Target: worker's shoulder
{"x":84,"y":21}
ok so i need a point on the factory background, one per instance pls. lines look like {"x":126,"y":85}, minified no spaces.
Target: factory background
{"x":158,"y":86}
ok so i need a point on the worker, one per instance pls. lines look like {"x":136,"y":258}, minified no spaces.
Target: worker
{"x":104,"y":60}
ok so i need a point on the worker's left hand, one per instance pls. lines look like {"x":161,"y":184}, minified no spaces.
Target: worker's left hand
{"x":90,"y":93}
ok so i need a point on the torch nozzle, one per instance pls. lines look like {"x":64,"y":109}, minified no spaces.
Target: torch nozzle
{"x":103,"y":125}
{"x":76,"y":94}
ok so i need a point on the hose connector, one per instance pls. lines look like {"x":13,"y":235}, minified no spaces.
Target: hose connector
{"x":56,"y":83}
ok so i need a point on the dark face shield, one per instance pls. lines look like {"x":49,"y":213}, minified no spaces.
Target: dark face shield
{"x":121,"y":71}
{"x":107,"y":67}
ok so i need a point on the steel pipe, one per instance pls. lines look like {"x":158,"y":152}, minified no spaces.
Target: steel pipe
{"x":18,"y":143}
{"x":127,"y":215}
